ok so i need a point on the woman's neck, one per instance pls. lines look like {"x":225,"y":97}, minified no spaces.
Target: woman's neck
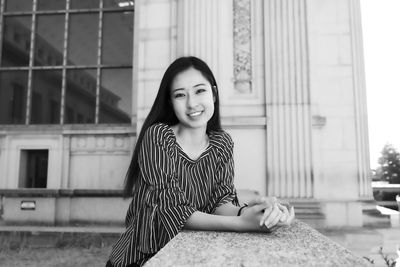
{"x":190,"y":136}
{"x":192,"y":141}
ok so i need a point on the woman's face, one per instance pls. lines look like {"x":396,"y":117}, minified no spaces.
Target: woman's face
{"x":192,"y":99}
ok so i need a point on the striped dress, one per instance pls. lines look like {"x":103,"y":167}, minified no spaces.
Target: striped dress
{"x":171,"y":186}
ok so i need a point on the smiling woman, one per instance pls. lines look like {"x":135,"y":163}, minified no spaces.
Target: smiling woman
{"x":182,"y":171}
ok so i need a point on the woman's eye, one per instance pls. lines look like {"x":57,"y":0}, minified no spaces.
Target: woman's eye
{"x":179,"y":95}
{"x":200,"y":90}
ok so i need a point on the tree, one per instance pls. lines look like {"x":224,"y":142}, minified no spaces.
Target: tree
{"x":389,"y":169}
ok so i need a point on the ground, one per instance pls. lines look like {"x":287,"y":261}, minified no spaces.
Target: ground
{"x":54,"y":257}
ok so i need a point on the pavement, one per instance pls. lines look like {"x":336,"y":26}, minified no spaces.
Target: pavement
{"x":372,"y":243}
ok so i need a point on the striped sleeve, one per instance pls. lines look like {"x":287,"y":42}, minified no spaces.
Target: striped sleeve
{"x":224,"y":190}
{"x":165,"y":208}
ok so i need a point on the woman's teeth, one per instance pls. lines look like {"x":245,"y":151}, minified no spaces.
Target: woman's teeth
{"x":194,"y":114}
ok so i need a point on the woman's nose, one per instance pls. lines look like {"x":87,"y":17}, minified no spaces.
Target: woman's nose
{"x":191,"y":101}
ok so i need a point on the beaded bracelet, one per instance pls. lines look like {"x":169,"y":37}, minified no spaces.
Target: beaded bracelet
{"x":240,"y":210}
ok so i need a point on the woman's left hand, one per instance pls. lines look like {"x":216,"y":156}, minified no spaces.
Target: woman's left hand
{"x":288,"y":215}
{"x":277,"y":214}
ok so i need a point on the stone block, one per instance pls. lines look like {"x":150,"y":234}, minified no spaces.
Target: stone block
{"x":98,"y":210}
{"x":297,"y":245}
{"x":44,"y":212}
{"x":343,"y":213}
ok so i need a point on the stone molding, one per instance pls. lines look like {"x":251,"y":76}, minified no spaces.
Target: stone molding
{"x":43,"y":192}
{"x":100,"y":143}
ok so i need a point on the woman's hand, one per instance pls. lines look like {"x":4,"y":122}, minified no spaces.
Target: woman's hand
{"x":277,"y":214}
{"x":251,"y":216}
{"x":288,"y":217}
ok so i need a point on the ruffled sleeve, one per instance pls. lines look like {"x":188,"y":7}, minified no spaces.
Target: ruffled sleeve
{"x":165,"y":208}
{"x":224,"y":190}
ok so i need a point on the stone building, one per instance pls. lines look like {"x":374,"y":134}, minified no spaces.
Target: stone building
{"x":77,"y":79}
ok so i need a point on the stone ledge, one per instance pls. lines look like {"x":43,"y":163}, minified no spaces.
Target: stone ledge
{"x":298,"y":245}
{"x":43,"y":192}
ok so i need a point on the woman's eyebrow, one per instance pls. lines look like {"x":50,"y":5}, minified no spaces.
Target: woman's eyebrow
{"x":177,"y":89}
{"x":200,"y":84}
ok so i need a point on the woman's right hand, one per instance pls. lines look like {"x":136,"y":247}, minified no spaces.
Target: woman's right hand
{"x":252,"y":215}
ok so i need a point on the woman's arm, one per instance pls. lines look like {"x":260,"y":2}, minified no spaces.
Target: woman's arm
{"x":228,"y":209}
{"x":247,"y":222}
{"x":277,"y":213}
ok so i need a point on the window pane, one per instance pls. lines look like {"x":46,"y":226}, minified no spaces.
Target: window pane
{"x":49,"y":40}
{"x":13,"y":85}
{"x":83,"y":32}
{"x":33,"y":171}
{"x":46,"y":97}
{"x":116,"y":96}
{"x":51,"y":5}
{"x":18,"y":5}
{"x":80,"y":100}
{"x":16,"y":41}
{"x":118,"y":3}
{"x":117,"y":38}
{"x":77,"y":4}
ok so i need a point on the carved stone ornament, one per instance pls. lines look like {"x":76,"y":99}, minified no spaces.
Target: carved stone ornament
{"x":242,"y":45}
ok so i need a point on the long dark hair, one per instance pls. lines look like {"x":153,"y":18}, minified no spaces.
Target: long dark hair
{"x":162,"y":110}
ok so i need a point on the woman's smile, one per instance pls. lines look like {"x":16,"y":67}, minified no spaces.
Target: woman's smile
{"x":195,"y":114}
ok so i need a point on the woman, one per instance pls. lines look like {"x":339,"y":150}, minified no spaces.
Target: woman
{"x":181,"y":173}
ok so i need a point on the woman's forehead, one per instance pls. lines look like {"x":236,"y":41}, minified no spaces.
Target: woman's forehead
{"x":188,"y":78}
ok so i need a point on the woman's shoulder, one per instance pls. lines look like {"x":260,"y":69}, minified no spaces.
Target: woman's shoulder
{"x":160,"y":133}
{"x":158,"y":128}
{"x":221,"y":140}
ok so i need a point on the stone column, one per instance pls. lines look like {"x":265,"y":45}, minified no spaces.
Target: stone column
{"x":360,"y":101}
{"x":204,"y":30}
{"x":154,"y":49}
{"x":287,"y":99}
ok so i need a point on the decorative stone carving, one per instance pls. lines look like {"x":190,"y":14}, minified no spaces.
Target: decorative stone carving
{"x":242,"y":45}
{"x":119,"y":142}
{"x":82,"y":142}
{"x":100,"y":142}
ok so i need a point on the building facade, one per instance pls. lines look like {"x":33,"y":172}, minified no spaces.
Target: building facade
{"x":77,"y":79}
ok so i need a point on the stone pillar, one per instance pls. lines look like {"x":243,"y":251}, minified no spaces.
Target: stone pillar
{"x":338,"y":102}
{"x":154,"y":49}
{"x":287,"y":99}
{"x":204,"y":30}
{"x":360,"y":101}
{"x":198,"y":29}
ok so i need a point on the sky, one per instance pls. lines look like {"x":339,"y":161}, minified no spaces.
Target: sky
{"x":381,"y":35}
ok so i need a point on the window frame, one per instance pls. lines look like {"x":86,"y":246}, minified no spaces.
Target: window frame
{"x":64,"y":67}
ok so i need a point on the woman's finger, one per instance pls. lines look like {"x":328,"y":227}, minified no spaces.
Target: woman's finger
{"x":285,"y":212}
{"x":273,"y":219}
{"x":290,"y":218}
{"x":275,"y":212}
{"x":291,"y":215}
